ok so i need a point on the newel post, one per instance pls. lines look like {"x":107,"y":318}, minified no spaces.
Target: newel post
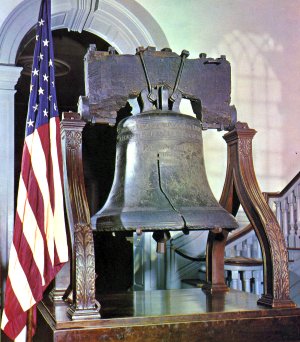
{"x":84,"y":304}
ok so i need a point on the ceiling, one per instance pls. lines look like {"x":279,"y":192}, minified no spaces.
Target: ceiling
{"x":69,"y":51}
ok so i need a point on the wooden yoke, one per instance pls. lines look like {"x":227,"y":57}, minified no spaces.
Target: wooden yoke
{"x":241,"y":187}
{"x":83,"y":259}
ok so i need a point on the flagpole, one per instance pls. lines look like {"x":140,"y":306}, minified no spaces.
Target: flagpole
{"x":29,"y":325}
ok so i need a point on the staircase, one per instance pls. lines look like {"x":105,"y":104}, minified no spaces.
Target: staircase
{"x":183,"y":265}
{"x":243,"y":260}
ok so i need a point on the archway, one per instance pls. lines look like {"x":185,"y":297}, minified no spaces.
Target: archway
{"x":123,"y":24}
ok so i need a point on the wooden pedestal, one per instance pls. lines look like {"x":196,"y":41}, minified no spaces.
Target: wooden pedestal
{"x":172,"y":315}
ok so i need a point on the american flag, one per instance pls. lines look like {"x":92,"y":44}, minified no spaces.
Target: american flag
{"x":39,"y":246}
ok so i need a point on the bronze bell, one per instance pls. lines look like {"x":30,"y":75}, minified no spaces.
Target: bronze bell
{"x":160,"y":183}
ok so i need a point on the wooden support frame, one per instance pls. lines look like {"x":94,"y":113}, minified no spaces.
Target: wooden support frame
{"x":241,"y":187}
{"x":82,"y":244}
{"x":215,"y":250}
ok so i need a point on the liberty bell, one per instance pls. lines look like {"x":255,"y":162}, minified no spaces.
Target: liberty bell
{"x":160,"y":183}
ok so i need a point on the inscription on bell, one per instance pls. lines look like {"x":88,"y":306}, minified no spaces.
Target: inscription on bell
{"x":158,"y":129}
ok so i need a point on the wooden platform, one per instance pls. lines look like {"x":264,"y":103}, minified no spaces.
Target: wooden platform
{"x":172,"y":315}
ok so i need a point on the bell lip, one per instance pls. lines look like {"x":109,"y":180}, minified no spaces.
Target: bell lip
{"x":153,"y":229}
{"x":196,"y":219}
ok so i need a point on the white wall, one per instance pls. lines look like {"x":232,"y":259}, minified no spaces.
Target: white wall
{"x":261,"y":39}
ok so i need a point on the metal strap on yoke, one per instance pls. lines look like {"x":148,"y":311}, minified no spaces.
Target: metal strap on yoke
{"x":151,"y":96}
{"x":184,"y":55}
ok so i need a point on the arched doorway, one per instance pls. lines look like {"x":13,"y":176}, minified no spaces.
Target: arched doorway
{"x":122,"y":24}
{"x":98,"y":147}
{"x":69,"y":51}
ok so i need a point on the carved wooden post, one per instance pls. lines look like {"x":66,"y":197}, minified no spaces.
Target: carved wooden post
{"x":241,"y":187}
{"x":83,"y":258}
{"x":215,"y":250}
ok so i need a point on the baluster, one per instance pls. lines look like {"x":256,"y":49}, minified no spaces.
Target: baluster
{"x":239,"y":282}
{"x":229,"y":252}
{"x":238,"y":249}
{"x":284,"y":209}
{"x":278,"y":212}
{"x":232,"y":252}
{"x":258,"y":286}
{"x":247,"y":275}
{"x":235,"y":279}
{"x":256,"y":250}
{"x":249,"y":247}
{"x":228,"y":277}
{"x":297,"y":195}
{"x":291,"y":220}
{"x":246,"y":248}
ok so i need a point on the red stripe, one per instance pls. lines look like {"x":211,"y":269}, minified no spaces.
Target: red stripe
{"x":27,"y":262}
{"x":16,"y":316}
{"x":33,"y":191}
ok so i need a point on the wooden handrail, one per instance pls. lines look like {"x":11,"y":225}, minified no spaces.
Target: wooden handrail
{"x":243,"y":231}
{"x":238,"y":234}
{"x":285,"y":189}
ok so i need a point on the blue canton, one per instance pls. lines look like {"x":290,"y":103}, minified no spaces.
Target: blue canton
{"x":42,"y":100}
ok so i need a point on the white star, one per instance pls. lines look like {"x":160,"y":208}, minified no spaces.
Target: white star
{"x":41,"y":22}
{"x":52,"y":83}
{"x":41,"y":57}
{"x":35,"y":107}
{"x":30,"y":123}
{"x":50,"y":62}
{"x":45,"y":112}
{"x":55,"y":108}
{"x":31,"y":87}
{"x":37,"y":37}
{"x":41,"y":91}
{"x":35,"y":72}
{"x":46,"y":77}
{"x":46,"y":42}
{"x":50,"y":97}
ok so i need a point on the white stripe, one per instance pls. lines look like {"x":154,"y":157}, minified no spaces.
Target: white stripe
{"x":39,"y":167}
{"x":22,"y":198}
{"x":19,"y":281}
{"x":22,"y":336}
{"x":4,"y":320}
{"x":59,"y":219}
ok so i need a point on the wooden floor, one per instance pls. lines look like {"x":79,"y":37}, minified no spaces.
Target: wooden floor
{"x":172,"y":315}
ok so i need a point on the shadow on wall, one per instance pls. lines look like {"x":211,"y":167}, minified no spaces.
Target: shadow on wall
{"x":257,"y":94}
